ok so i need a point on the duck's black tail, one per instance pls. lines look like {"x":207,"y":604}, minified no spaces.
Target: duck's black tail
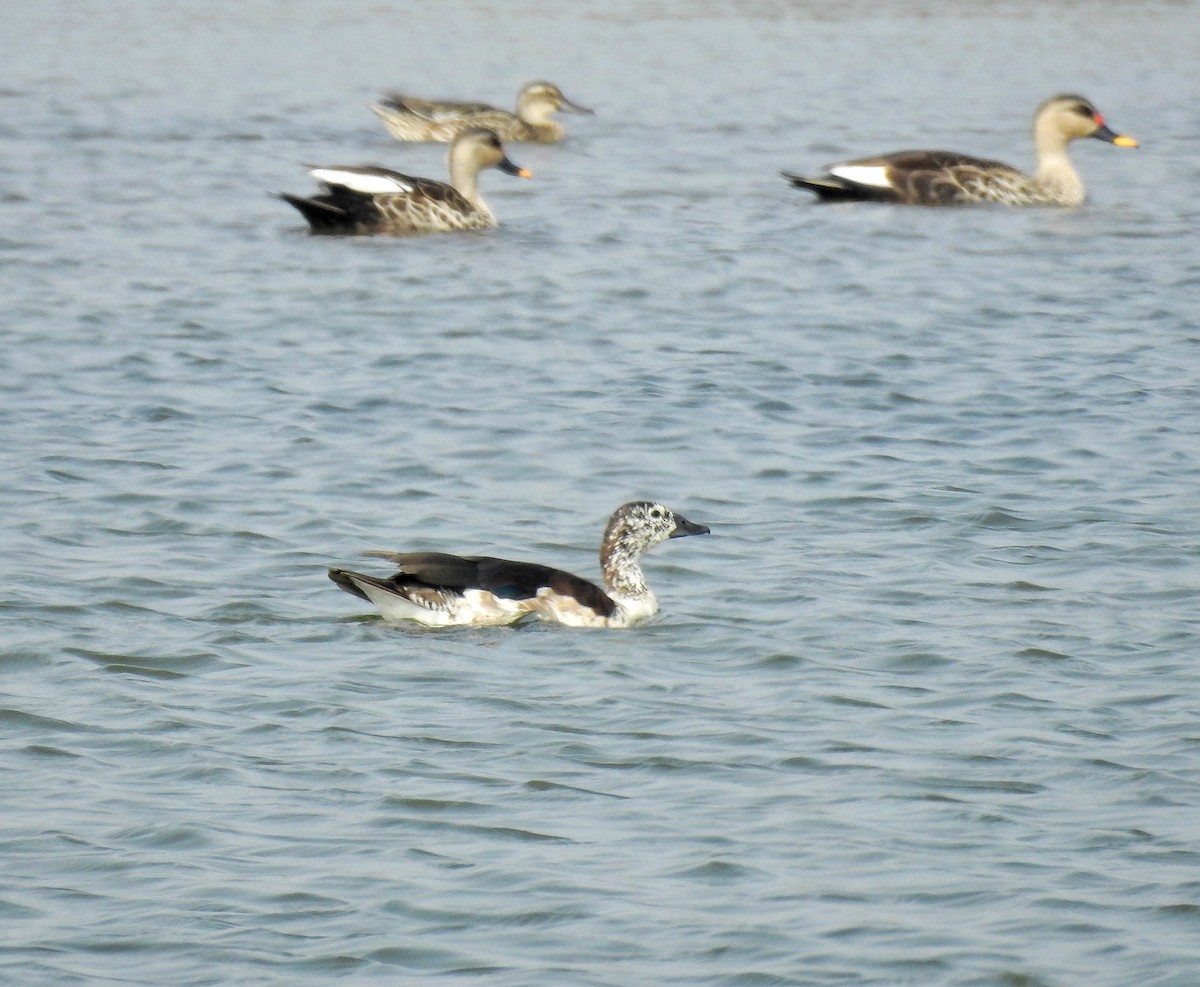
{"x":829,"y":188}
{"x":322,"y":215}
{"x":347,"y":580}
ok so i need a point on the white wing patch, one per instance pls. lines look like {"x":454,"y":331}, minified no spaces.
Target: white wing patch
{"x":874,"y":175}
{"x":368,"y":183}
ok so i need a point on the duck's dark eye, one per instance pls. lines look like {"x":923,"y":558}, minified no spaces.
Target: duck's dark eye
{"x":1085,"y":111}
{"x":656,"y":513}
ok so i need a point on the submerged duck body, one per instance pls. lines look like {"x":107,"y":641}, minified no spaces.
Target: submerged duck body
{"x":440,"y":590}
{"x":411,"y":119}
{"x":365,"y":199}
{"x":946,"y":178}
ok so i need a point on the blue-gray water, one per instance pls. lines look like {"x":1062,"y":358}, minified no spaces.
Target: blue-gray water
{"x":923,"y":710}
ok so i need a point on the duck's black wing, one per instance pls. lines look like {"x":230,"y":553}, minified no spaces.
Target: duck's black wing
{"x":501,"y":577}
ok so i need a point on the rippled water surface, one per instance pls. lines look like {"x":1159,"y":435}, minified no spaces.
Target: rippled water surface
{"x":923,"y":709}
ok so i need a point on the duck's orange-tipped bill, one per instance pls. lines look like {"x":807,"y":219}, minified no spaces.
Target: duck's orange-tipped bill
{"x":1104,"y":132}
{"x":506,"y":166}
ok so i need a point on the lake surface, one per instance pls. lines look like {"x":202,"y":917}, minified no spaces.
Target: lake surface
{"x":924,"y":709}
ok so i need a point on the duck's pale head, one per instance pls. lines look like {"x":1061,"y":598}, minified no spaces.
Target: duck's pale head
{"x":537,"y":100}
{"x":1069,"y":117}
{"x":638,"y":526}
{"x":478,"y":148}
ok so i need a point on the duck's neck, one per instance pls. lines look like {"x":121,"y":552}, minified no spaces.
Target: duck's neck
{"x":620,"y":564}
{"x":1055,"y":173}
{"x":464,"y":176}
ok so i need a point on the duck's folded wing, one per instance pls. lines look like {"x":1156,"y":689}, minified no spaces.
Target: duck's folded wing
{"x":433,"y":109}
{"x":435,"y":191}
{"x":503,"y":578}
{"x":365,"y":179}
{"x":348,"y":183}
{"x":926,"y":176}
